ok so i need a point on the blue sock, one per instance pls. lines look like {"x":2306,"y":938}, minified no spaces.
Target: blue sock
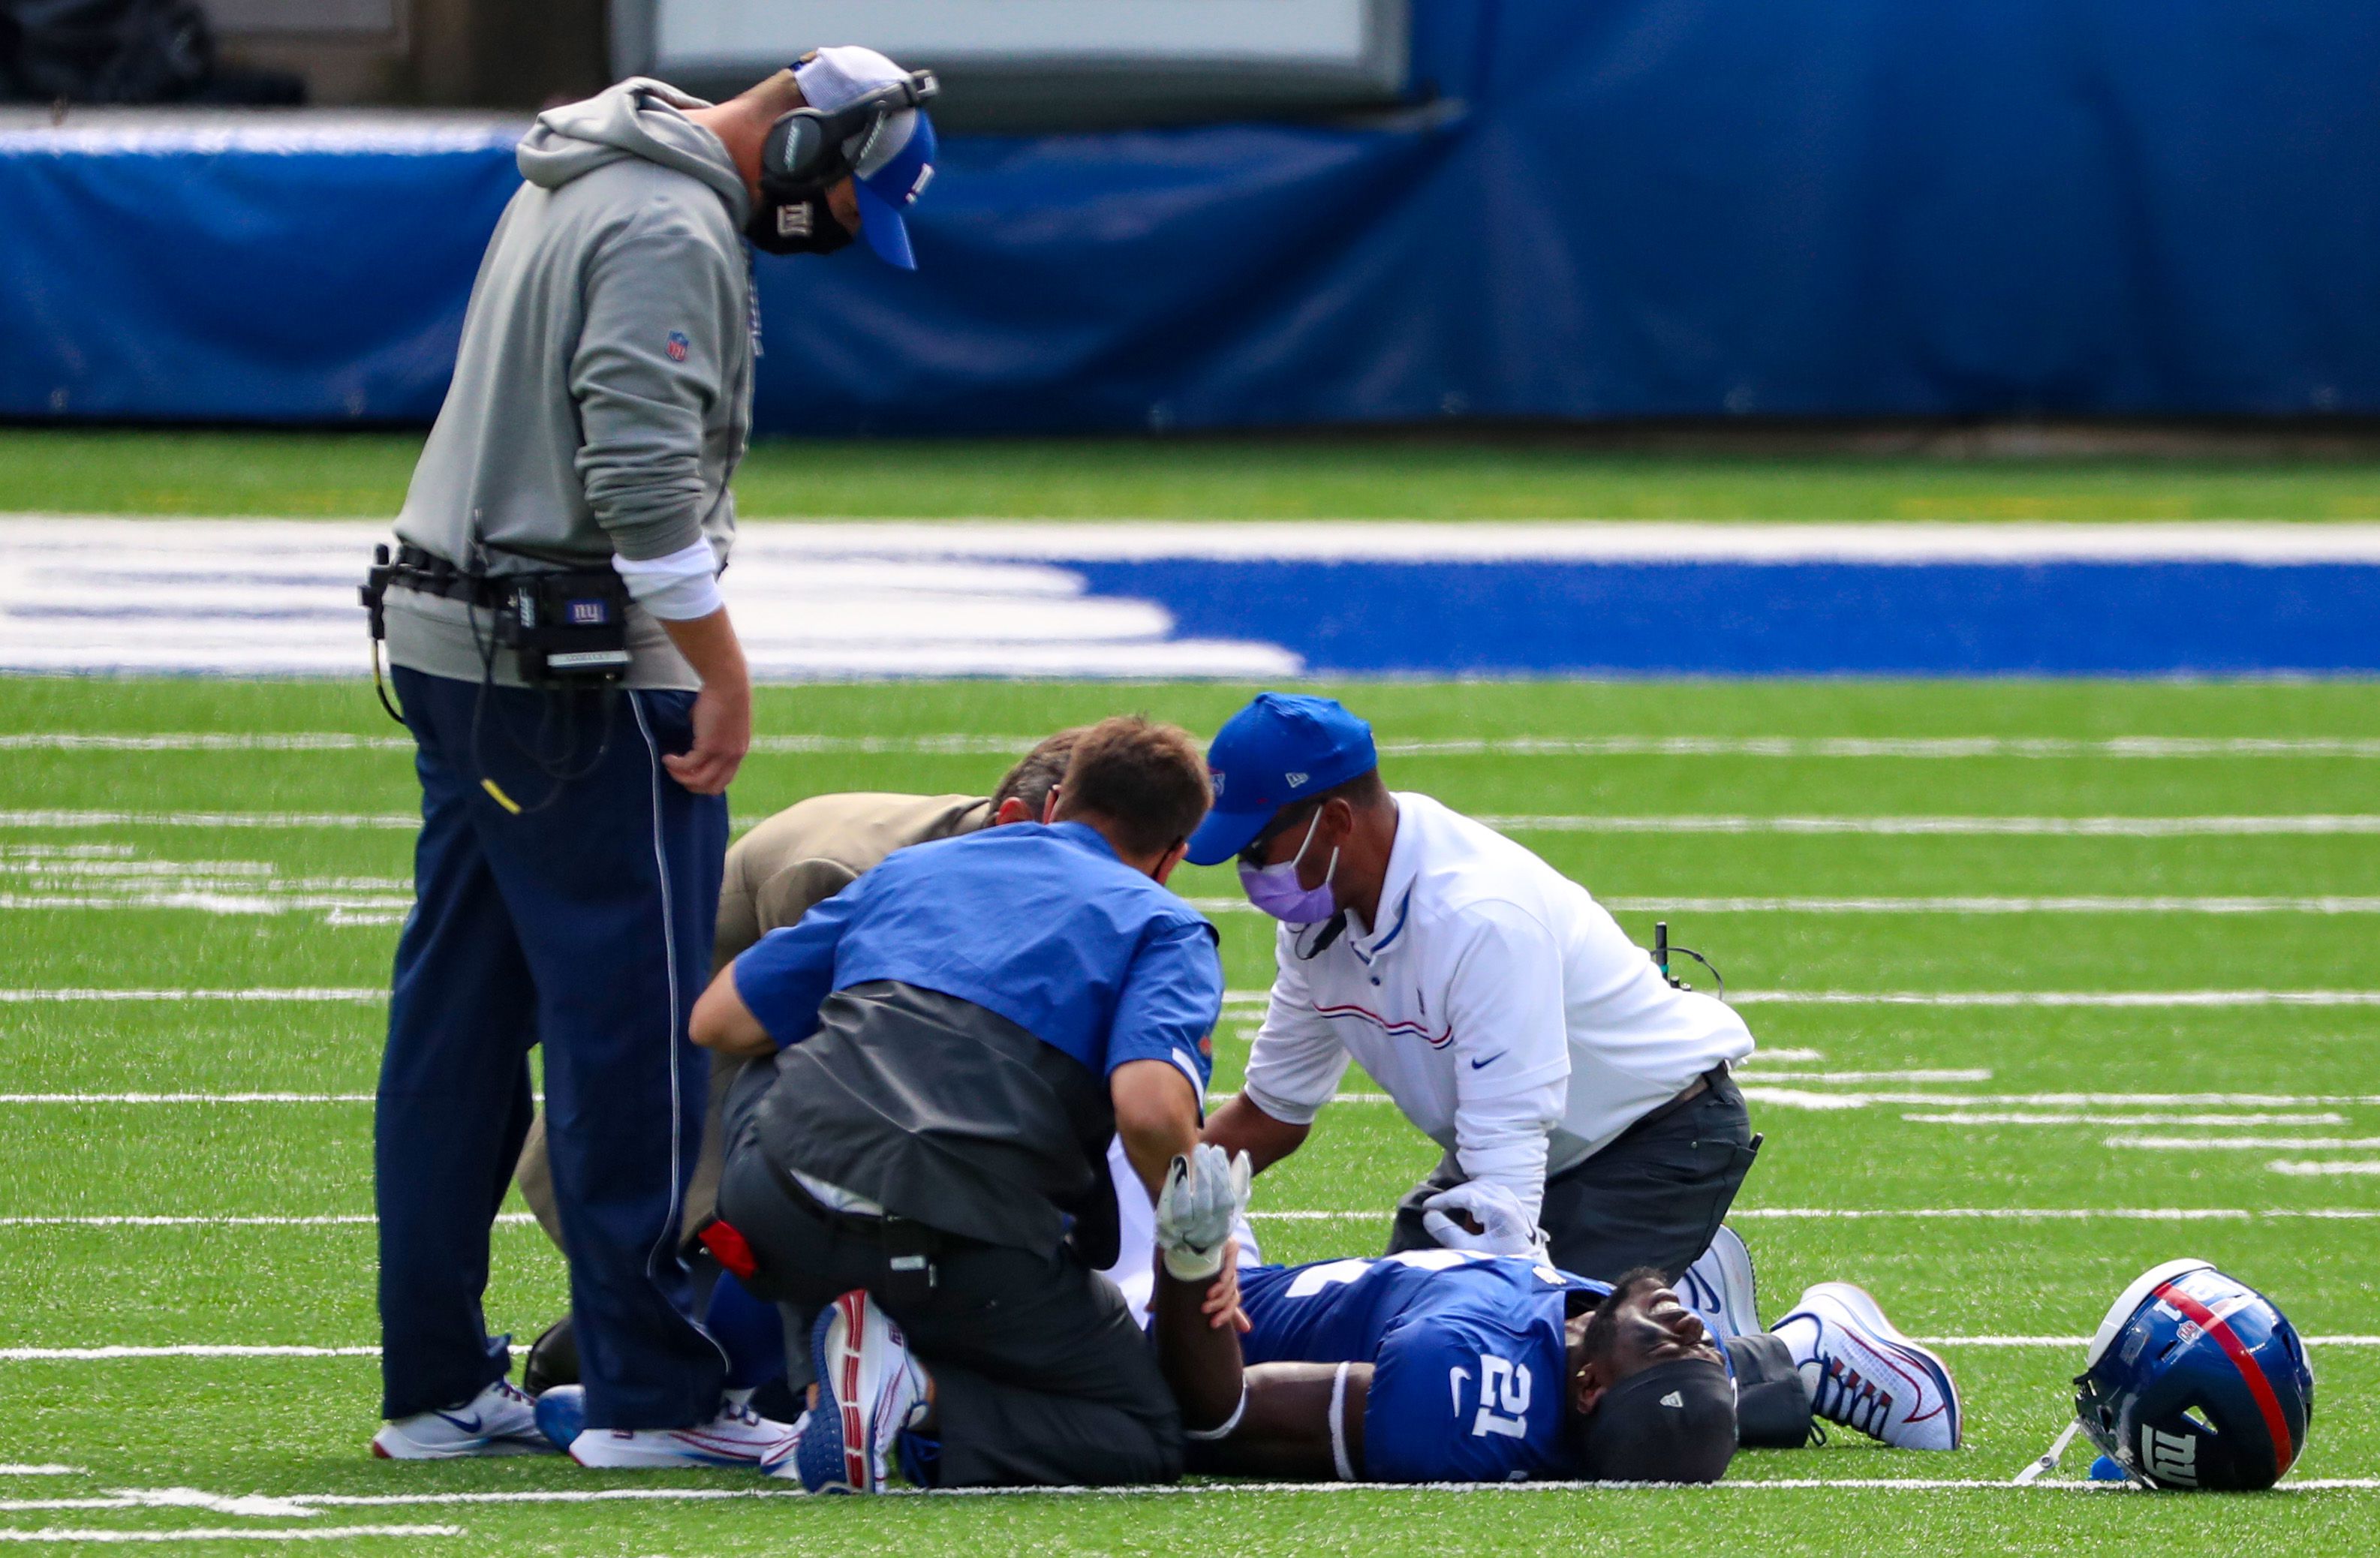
{"x":748,"y":1327}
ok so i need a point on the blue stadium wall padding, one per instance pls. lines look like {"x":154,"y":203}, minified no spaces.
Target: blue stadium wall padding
{"x":1606,"y":208}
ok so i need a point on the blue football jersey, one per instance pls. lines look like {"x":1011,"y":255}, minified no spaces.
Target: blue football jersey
{"x":1469,"y":1367}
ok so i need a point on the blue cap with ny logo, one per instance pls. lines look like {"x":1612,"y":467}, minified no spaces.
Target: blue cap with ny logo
{"x":1284,"y":748}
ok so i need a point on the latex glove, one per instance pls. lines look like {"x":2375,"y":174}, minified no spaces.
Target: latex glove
{"x":1202,"y":1199}
{"x":1504,"y":1225}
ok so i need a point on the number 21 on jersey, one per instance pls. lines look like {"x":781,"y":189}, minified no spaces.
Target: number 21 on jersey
{"x":1503,"y":1396}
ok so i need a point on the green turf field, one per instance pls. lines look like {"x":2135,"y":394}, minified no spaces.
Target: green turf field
{"x":1978,"y":1143}
{"x":1448,"y":477}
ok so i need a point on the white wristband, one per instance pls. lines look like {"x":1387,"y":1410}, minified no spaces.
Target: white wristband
{"x":1341,"y":1461}
{"x":678,"y":587}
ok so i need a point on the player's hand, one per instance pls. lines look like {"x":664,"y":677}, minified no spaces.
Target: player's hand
{"x":1202,"y":1197}
{"x":1221,"y":1305}
{"x":1499,"y":1224}
{"x":722,"y":733}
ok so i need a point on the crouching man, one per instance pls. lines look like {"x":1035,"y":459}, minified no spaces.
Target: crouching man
{"x":956,"y":1036}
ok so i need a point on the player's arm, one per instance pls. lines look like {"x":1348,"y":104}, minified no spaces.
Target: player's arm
{"x":1304,"y":1422}
{"x":1512,"y":1050}
{"x":1294,"y":1068}
{"x":769,"y":997}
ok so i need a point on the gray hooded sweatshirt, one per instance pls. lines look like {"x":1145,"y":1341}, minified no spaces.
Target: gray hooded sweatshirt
{"x":603,"y":392}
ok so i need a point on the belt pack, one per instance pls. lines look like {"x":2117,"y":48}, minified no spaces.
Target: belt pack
{"x":568,"y":626}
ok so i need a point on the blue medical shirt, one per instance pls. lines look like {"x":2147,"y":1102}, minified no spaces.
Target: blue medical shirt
{"x":1039,"y":924}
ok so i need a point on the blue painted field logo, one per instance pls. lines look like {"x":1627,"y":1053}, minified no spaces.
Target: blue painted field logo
{"x":677,"y":346}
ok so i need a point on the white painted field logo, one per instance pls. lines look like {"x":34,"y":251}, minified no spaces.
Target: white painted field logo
{"x":2171,"y":1458}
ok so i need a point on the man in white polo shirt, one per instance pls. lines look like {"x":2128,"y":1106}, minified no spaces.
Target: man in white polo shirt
{"x":1574,"y":1090}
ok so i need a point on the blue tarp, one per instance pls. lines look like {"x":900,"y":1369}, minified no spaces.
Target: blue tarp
{"x":1619,"y":208}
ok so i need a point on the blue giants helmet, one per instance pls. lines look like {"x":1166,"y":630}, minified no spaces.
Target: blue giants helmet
{"x":2197,"y":1381}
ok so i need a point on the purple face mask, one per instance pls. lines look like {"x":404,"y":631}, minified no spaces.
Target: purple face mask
{"x":1275,"y":889}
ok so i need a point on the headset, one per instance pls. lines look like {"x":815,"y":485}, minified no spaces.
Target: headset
{"x":810,"y":150}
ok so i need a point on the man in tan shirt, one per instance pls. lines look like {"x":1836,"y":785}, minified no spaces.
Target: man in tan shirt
{"x":800,"y":857}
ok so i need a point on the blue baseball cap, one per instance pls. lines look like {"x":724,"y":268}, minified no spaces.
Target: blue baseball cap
{"x":893,"y":165}
{"x":1281,"y":748}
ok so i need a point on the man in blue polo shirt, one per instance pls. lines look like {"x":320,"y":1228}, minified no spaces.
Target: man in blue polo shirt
{"x":958,"y":1035}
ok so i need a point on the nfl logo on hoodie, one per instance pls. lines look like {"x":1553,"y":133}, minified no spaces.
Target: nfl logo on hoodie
{"x":676,"y":345}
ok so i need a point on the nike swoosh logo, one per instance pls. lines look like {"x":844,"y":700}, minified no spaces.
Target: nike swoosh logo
{"x":467,"y":1425}
{"x":1490,"y":1060}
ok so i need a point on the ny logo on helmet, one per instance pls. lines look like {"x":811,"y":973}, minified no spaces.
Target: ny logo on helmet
{"x":2171,"y":1458}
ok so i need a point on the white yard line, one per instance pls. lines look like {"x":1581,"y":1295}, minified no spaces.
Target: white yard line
{"x":1986,"y":1117}
{"x":226,"y":1533}
{"x":2247,"y":1143}
{"x":266,"y":994}
{"x":2066,"y":904}
{"x":2044,"y":827}
{"x":2057,"y":1214}
{"x":2131,"y":748}
{"x":1802,"y":1098}
{"x":119,"y":1219}
{"x":2305,"y":1168}
{"x":52,"y":820}
{"x":2116,"y":998}
{"x":1751,"y":1074}
{"x":186,"y":1097}
{"x":7,"y":1470}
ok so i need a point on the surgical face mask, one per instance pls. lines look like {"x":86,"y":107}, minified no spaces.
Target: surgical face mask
{"x":1275,"y":889}
{"x":806,"y":227}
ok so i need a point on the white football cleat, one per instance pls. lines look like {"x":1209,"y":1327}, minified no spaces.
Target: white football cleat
{"x":1863,"y":1373}
{"x":499,"y":1420}
{"x":736,"y":1437}
{"x":1721,"y":1289}
{"x":870,"y":1387}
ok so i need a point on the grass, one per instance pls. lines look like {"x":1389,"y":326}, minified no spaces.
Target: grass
{"x":1444,"y":476}
{"x":295,"y":1426}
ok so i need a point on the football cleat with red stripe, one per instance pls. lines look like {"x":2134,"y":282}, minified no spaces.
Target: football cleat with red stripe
{"x":870,"y":1387}
{"x":1864,"y":1375}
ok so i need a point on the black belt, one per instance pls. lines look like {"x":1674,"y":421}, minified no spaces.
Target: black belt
{"x":426,"y":573}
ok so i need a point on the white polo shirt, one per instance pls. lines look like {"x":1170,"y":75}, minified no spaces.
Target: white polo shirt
{"x":1500,"y":1006}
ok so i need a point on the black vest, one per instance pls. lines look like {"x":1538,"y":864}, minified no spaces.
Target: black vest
{"x":947,"y":1115}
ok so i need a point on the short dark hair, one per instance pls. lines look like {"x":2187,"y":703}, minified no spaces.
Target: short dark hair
{"x":1147,"y":782}
{"x":1037,"y":772}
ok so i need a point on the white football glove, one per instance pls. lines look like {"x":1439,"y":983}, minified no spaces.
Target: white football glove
{"x":1504,"y":1225}
{"x":1202,"y":1199}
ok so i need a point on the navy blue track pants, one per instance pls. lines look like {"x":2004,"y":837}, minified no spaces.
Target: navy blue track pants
{"x":585,"y":927}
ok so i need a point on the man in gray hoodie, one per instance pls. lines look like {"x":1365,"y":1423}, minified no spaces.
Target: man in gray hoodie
{"x":567,"y":872}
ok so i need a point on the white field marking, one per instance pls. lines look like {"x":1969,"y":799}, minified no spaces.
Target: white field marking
{"x":192,"y":1349}
{"x":210,"y":1533}
{"x":2247,"y":1143}
{"x":2010,"y":827}
{"x":2305,"y":1167}
{"x":57,"y":820}
{"x":2068,"y":904}
{"x":958,"y":744}
{"x":1798,"y":1098}
{"x":122,"y":1219}
{"x":1782,"y":1056}
{"x":260,"y":993}
{"x":1982,"y":1117}
{"x":1968,"y":1073}
{"x":2152,"y":998}
{"x":386,"y":911}
{"x":6,"y":1471}
{"x":183,"y":1098}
